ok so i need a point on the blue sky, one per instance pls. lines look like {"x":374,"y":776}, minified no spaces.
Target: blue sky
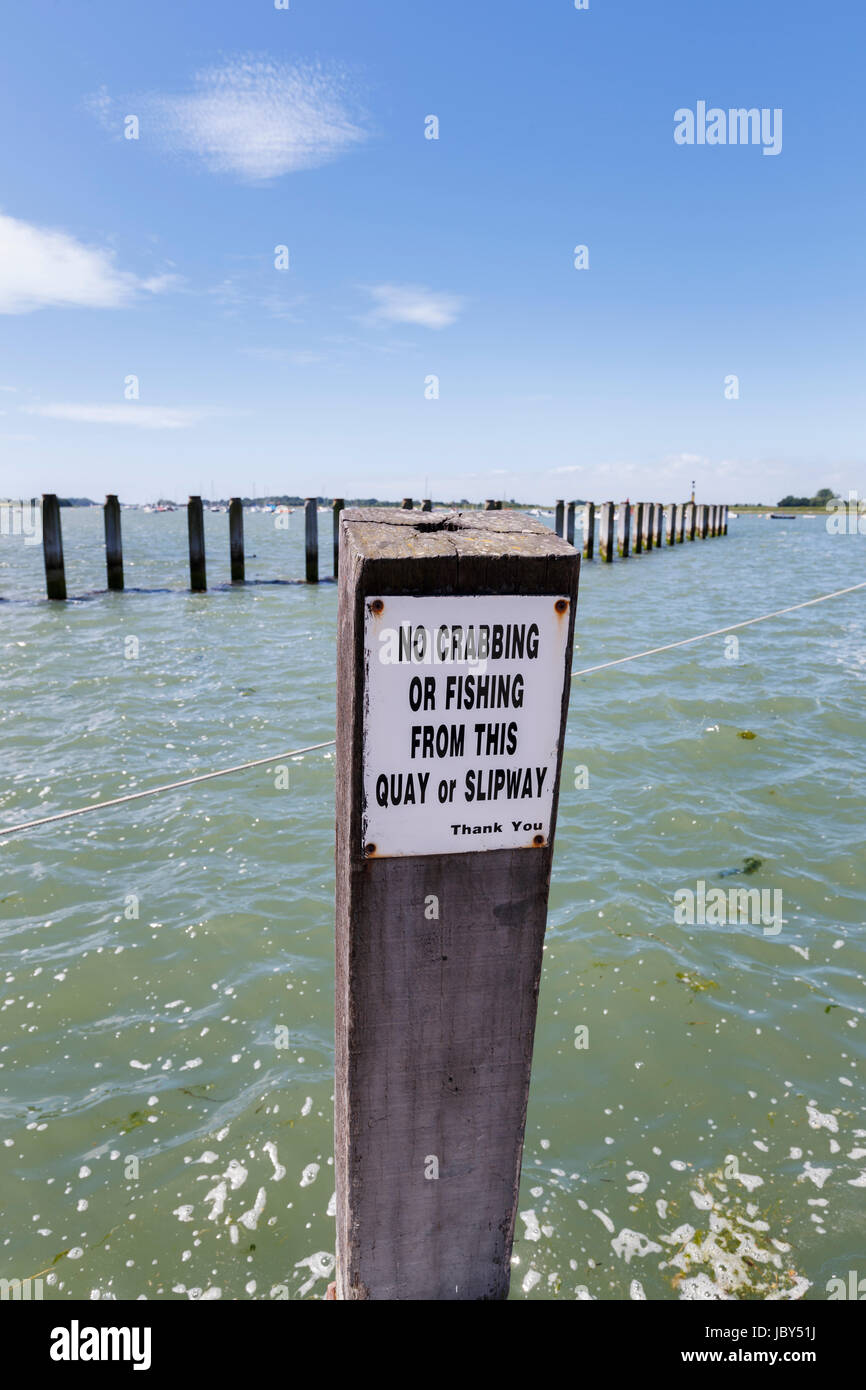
{"x":411,"y":258}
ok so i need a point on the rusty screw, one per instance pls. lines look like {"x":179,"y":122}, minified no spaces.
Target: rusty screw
{"x":561,"y":605}
{"x":538,"y":839}
{"x":369,"y":850}
{"x":377,"y":606}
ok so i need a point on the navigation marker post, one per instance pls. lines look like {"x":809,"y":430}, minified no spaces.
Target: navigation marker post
{"x":454,"y":661}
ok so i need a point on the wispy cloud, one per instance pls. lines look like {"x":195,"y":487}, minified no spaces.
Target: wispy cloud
{"x":143,"y":417}
{"x":40,"y":267}
{"x":415,"y":304}
{"x":251,"y":117}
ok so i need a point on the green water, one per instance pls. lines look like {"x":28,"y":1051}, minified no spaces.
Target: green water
{"x":157,"y":1143}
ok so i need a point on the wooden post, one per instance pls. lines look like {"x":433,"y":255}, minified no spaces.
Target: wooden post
{"x":637,"y":544}
{"x":338,"y":506}
{"x":623,"y":533}
{"x":703,"y":523}
{"x":559,"y":524}
{"x":680,"y":514}
{"x":439,"y":924}
{"x":725,"y":519}
{"x":690,"y":521}
{"x":490,"y":504}
{"x":427,"y":505}
{"x":569,"y":524}
{"x":670,"y":509}
{"x":648,"y":525}
{"x":605,"y":532}
{"x":52,"y":547}
{"x":236,"y":539}
{"x":195,"y":529}
{"x":588,"y":530}
{"x":407,"y":504}
{"x":311,"y":538}
{"x":113,"y":542}
{"x":658,"y":518}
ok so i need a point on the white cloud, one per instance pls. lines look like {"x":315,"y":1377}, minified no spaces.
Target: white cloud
{"x":147,"y":417}
{"x":251,"y":117}
{"x":415,"y":304}
{"x":41,"y":267}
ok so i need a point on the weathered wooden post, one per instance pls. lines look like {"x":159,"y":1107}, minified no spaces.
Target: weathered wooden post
{"x":647,"y":525}
{"x":406,"y":504}
{"x":690,"y":521}
{"x":679,"y":520}
{"x":637,"y":542}
{"x":725,"y":519}
{"x":658,"y":517}
{"x":52,"y":547}
{"x":703,"y":522}
{"x":605,"y":532}
{"x":490,"y":504}
{"x":338,"y":506}
{"x":236,"y":540}
{"x":670,"y":510}
{"x":588,"y":530}
{"x":445,"y":809}
{"x":427,"y":505}
{"x":195,"y":529}
{"x":623,"y":530}
{"x":311,"y":539}
{"x":569,"y":523}
{"x":113,"y":542}
{"x":559,"y":523}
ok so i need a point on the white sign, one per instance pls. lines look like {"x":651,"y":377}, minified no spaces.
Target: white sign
{"x":462,"y":710}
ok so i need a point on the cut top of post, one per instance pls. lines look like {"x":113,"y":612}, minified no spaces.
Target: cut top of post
{"x":389,"y":542}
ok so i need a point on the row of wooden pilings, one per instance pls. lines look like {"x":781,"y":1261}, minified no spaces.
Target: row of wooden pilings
{"x":640,"y":525}
{"x":679,"y":520}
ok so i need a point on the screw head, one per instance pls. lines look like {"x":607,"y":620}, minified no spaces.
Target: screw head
{"x":538,"y":839}
{"x":561,"y":605}
{"x":377,"y":606}
{"x":369,"y":850}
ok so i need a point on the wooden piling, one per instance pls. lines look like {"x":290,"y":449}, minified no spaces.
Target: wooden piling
{"x":439,"y":934}
{"x":406,"y":504}
{"x":658,"y":518}
{"x":559,"y":524}
{"x":490,"y":504}
{"x":236,"y":540}
{"x":725,"y":519}
{"x":639,"y":525}
{"x":569,"y":523}
{"x":605,"y":532}
{"x":588,"y":530}
{"x":669,"y":523}
{"x":52,"y":547}
{"x":623,"y":530}
{"x":311,"y":539}
{"x":690,"y":521}
{"x":337,"y":507}
{"x":703,"y":521}
{"x":680,"y":521}
{"x":427,"y":505}
{"x":647,"y":526}
{"x":113,"y":542}
{"x":195,"y":530}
